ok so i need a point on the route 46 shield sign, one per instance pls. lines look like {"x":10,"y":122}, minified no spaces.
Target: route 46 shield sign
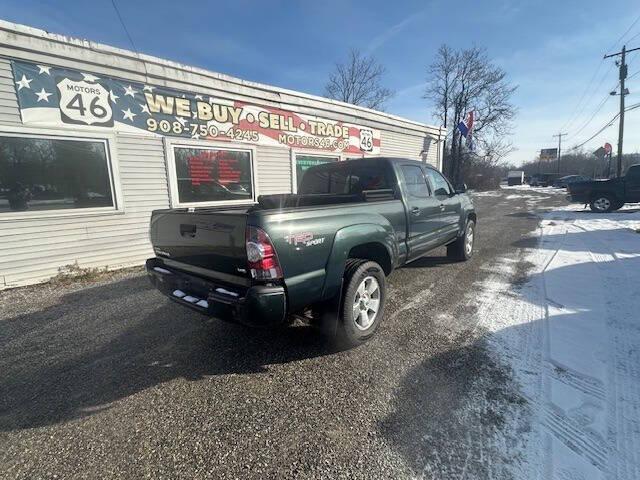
{"x":84,"y":103}
{"x":366,"y":140}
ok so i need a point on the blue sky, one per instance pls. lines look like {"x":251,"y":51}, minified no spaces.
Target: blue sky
{"x":550,"y":49}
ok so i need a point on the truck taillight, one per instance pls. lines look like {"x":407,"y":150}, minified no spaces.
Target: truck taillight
{"x":261,"y":256}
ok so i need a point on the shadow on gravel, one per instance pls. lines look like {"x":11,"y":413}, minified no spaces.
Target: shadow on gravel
{"x":522,"y":215}
{"x":101,"y":344}
{"x":446,"y":411}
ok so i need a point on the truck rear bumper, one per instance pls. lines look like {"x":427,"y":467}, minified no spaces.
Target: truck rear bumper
{"x":255,"y":306}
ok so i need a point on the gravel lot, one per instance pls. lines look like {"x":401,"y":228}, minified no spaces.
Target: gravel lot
{"x":111,"y":380}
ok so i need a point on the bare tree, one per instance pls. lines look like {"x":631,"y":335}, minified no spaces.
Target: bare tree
{"x":463,"y":81}
{"x":359,"y":82}
{"x":442,"y":79}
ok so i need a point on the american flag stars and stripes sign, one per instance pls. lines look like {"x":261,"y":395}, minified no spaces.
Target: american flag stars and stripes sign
{"x":53,"y":96}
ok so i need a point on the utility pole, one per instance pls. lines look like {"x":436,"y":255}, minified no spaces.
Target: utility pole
{"x":559,"y":135}
{"x":622,"y":76}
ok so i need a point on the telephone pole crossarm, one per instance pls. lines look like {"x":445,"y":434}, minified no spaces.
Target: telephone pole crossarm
{"x":620,"y":52}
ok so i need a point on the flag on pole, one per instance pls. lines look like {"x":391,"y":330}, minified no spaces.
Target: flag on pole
{"x":466,"y":129}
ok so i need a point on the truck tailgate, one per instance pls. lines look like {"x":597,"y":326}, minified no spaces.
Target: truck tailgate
{"x":206,"y":242}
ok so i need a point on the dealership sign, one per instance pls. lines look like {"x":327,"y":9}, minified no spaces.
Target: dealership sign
{"x":547,"y":154}
{"x":51,"y":96}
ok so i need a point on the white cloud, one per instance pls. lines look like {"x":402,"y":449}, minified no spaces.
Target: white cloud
{"x":391,"y":32}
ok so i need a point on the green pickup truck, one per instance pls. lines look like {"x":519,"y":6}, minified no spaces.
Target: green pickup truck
{"x":322,"y":254}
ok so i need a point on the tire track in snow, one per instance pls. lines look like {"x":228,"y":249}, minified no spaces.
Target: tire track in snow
{"x":624,"y":361}
{"x":574,"y":434}
{"x":577,"y":380}
{"x":587,"y":443}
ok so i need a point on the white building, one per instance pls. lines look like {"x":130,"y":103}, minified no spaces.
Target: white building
{"x":93,"y":138}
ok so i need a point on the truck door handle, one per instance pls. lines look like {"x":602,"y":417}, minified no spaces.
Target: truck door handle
{"x":415,"y":211}
{"x":187,"y":230}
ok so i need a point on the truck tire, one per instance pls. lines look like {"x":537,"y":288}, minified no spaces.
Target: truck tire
{"x":603,"y":203}
{"x":462,"y":248}
{"x":363,"y":301}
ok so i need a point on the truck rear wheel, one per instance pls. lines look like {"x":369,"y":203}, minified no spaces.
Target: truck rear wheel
{"x":363,"y":301}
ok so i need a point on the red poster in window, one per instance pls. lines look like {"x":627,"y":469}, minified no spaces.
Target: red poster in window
{"x":228,"y":171}
{"x":199,"y":170}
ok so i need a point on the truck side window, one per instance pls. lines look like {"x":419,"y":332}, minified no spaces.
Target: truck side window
{"x":439,"y":183}
{"x":414,"y":181}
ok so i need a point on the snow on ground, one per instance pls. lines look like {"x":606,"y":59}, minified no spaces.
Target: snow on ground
{"x":485,"y":193}
{"x":570,"y":331}
{"x":530,"y":189}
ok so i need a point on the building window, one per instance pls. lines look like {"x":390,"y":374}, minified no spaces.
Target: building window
{"x":304,"y":162}
{"x":44,"y":174}
{"x":206,"y":175}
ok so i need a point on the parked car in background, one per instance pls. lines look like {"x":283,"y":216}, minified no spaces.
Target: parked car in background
{"x":607,"y":195}
{"x":322,"y":253}
{"x":543,"y":179}
{"x":563,"y":182}
{"x":515,"y":177}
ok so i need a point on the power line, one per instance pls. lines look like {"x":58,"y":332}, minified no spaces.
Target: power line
{"x":634,"y":37}
{"x":606,"y":125}
{"x":594,"y":92}
{"x":573,"y":116}
{"x":124,"y":27}
{"x":625,"y":33}
{"x":593,"y":115}
{"x":126,"y":31}
{"x":633,"y":74}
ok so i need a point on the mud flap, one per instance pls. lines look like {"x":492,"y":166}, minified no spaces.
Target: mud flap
{"x":331,"y":314}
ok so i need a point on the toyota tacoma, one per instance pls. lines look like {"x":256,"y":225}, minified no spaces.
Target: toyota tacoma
{"x":322,"y":253}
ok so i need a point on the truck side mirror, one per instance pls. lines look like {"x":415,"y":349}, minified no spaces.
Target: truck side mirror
{"x":461,"y":188}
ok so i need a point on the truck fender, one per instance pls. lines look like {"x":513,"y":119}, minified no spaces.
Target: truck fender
{"x":466,"y":213}
{"x":348,"y":238}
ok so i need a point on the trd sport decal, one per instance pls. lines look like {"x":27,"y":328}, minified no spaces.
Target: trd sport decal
{"x":303,"y":238}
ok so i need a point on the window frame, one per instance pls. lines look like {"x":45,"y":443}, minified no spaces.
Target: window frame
{"x":307,"y":153}
{"x":432,"y":187}
{"x":109,"y":141}
{"x":174,"y":194}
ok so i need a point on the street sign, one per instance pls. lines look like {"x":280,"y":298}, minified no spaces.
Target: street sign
{"x":600,"y":153}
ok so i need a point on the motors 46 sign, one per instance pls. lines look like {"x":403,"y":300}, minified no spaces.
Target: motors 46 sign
{"x":62,"y":97}
{"x":84,"y":103}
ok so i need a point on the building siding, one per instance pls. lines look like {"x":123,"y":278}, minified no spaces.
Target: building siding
{"x":9,"y":112}
{"x":34,"y":249}
{"x":274,"y":170}
{"x":423,"y":148}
